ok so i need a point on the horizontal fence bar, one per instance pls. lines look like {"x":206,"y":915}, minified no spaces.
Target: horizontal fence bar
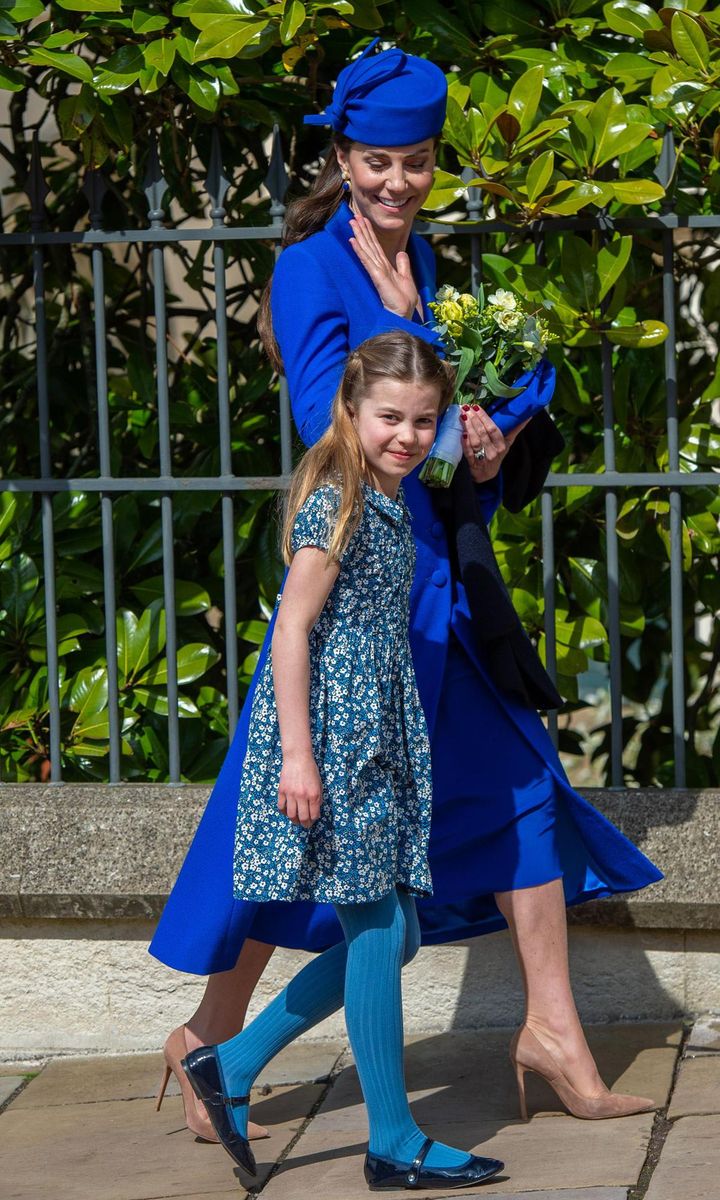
{"x":230,"y":233}
{"x":258,"y":483}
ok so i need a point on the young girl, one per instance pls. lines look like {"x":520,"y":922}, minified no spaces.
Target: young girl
{"x":335,"y":792}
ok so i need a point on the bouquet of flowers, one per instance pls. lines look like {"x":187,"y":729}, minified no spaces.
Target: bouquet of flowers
{"x":490,"y":344}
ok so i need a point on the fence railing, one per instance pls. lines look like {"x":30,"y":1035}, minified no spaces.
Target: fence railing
{"x":226,"y":484}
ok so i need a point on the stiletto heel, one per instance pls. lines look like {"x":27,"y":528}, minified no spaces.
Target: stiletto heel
{"x":527,"y":1053}
{"x":163,"y":1084}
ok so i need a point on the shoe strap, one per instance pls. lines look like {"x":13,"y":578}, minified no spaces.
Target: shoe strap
{"x":413,"y":1176}
{"x":236,"y":1100}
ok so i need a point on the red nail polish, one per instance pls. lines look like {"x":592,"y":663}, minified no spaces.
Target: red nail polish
{"x":463,"y":416}
{"x":466,"y":407}
{"x":464,"y":437}
{"x":476,"y":408}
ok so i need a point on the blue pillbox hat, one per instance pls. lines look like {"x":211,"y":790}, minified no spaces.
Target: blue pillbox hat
{"x":386,"y":99}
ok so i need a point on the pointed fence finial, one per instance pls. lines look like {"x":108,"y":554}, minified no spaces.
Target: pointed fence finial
{"x":473,"y":199}
{"x":95,"y":188}
{"x":37,"y":189}
{"x":276,"y":180}
{"x":154,"y":185}
{"x":217,"y":182}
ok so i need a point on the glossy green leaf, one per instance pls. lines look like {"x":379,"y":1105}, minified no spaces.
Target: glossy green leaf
{"x":611,"y":262}
{"x":76,"y":113}
{"x":68,"y":64}
{"x":608,"y":120}
{"x":148,"y":22}
{"x":22,"y":10}
{"x":582,"y":194}
{"x":225,"y":39}
{"x":157,"y":702}
{"x":252,"y":631}
{"x":293,"y":18}
{"x":580,"y":272}
{"x":11,"y":80}
{"x":642,"y":336}
{"x":690,"y":41}
{"x":539,"y":175}
{"x":446,"y":190}
{"x":193,"y":661}
{"x":19,"y":580}
{"x":120,"y":71}
{"x":190,"y":598}
{"x":525,"y":96}
{"x":89,"y":693}
{"x":636,"y":191}
{"x":631,"y":17}
{"x":91,"y":6}
{"x":159,"y":55}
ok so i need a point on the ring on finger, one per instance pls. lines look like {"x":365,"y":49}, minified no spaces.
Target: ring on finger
{"x":480,"y":453}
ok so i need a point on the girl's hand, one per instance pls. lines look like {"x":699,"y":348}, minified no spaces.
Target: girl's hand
{"x":395,"y":284}
{"x":300,"y":790}
{"x":481,"y":432}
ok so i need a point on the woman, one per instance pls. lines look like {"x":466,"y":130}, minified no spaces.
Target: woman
{"x":511,"y":842}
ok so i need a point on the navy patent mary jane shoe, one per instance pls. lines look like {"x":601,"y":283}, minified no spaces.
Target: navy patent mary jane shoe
{"x":202,"y":1069}
{"x":382,"y":1173}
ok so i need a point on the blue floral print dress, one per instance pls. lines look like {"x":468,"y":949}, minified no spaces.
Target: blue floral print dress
{"x":368,"y":731}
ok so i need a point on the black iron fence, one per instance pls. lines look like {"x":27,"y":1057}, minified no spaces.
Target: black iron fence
{"x":226,"y":484}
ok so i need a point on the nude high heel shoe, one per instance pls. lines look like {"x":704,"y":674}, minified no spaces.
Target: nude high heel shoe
{"x":527,"y":1053}
{"x":196,"y":1118}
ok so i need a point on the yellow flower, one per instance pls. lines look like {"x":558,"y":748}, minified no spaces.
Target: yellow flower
{"x":450,"y":310}
{"x":507,"y":320}
{"x":468,"y":304}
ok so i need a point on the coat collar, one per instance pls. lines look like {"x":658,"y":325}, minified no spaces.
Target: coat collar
{"x":339,"y":227}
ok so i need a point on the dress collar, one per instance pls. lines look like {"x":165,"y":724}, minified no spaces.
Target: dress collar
{"x":395,"y":509}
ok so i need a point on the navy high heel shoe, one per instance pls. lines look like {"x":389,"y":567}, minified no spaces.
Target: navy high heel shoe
{"x":382,"y":1173}
{"x":202,"y":1069}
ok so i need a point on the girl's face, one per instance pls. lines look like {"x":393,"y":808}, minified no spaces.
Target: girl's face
{"x":389,"y":184}
{"x":395,"y":422}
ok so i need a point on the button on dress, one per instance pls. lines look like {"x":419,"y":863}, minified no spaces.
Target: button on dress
{"x":368,"y":730}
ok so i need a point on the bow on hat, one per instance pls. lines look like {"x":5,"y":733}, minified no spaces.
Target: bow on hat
{"x":356,"y":81}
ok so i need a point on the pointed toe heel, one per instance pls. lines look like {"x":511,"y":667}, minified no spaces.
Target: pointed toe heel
{"x":384,"y":1174}
{"x":202,"y":1069}
{"x":196,"y":1117}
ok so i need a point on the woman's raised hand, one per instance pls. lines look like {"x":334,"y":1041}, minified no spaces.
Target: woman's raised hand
{"x":300,"y":790}
{"x":395,"y":284}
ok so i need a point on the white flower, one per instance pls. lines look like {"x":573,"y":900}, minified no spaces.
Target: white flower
{"x":447,"y":293}
{"x":503,"y":299}
{"x":507,"y":320}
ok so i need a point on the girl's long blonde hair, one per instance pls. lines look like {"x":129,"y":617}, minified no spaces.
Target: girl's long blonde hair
{"x":338,"y":458}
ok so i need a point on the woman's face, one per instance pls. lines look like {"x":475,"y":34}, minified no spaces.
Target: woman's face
{"x":389,"y":184}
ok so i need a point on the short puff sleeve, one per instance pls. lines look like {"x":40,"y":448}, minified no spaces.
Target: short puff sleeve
{"x":315,"y":521}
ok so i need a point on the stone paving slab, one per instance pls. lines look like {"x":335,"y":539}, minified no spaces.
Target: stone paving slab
{"x":85,"y":1080}
{"x":697,"y":1090}
{"x":544,"y":1154}
{"x":8,"y":1085}
{"x":705,"y":1037}
{"x":124,"y":1150}
{"x":601,"y":1193}
{"x":690,"y":1162}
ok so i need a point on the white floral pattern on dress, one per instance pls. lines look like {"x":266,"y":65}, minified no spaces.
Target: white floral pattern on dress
{"x":368,"y":730}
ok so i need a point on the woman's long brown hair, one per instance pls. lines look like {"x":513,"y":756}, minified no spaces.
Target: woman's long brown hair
{"x":304,"y":216}
{"x":338,"y":458}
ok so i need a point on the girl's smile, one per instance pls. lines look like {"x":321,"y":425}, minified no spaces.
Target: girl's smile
{"x":396,"y":422}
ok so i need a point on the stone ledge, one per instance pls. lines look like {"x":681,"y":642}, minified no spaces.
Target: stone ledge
{"x":100,"y":852}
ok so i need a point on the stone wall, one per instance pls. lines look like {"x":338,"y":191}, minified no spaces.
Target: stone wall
{"x":84,"y":871}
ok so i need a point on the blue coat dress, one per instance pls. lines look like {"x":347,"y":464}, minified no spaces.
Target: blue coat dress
{"x":504,"y":813}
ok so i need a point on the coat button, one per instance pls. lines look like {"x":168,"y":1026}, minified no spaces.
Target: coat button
{"x":437,"y":529}
{"x":439,"y":578}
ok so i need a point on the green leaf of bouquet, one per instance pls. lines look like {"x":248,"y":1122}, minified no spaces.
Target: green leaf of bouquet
{"x":641,"y":336}
{"x":636,"y":191}
{"x":578,"y":264}
{"x":465,"y":366}
{"x":539,"y":175}
{"x":495,"y":384}
{"x":445,"y":190}
{"x":690,"y":41}
{"x":225,"y":39}
{"x":631,"y":17}
{"x":611,"y":262}
{"x":69,"y":64}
